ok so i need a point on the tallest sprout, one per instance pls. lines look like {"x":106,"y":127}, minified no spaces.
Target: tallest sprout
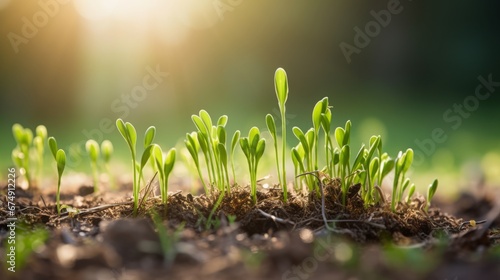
{"x":281,"y":88}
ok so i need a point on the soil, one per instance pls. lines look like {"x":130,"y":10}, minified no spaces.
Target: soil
{"x":103,"y":239}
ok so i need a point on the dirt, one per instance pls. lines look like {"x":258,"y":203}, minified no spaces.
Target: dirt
{"x":101,"y":238}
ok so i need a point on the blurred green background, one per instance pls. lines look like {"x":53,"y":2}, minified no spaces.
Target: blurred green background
{"x":76,"y":66}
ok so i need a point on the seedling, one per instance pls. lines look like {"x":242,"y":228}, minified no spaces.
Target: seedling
{"x":39,"y":145}
{"x":430,"y":193}
{"x":93,"y":151}
{"x":107,"y":152}
{"x":211,"y":140}
{"x":149,"y":137}
{"x":193,"y":147}
{"x":253,"y":147}
{"x":410,"y":193}
{"x":271,"y":126}
{"x":281,"y":88}
{"x":234,"y":142}
{"x":402,"y":164}
{"x":298,"y":155}
{"x":128,"y":132}
{"x":321,"y":118}
{"x":307,"y":143}
{"x":164,"y":165}
{"x":60,"y":158}
{"x":21,"y":154}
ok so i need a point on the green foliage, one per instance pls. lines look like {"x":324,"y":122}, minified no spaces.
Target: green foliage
{"x":129,"y":133}
{"x":281,"y":89}
{"x":29,"y":149}
{"x":305,"y":158}
{"x":321,"y":118}
{"x":193,"y":147}
{"x":211,"y":140}
{"x":402,"y":165}
{"x":93,"y":151}
{"x":430,"y":193}
{"x":107,"y":152}
{"x":271,"y":126}
{"x":253,"y":147}
{"x":60,"y":158}
{"x":164,"y":165}
{"x":234,"y":142}
{"x":367,"y":166}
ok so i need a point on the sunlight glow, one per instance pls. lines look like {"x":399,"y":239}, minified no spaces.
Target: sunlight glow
{"x":170,"y":21}
{"x":4,"y":4}
{"x":125,"y":10}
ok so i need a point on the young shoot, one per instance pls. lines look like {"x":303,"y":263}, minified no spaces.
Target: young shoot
{"x":271,"y":126}
{"x":321,"y":116}
{"x":107,"y":152}
{"x":129,"y":133}
{"x":39,"y":145}
{"x":234,"y":142}
{"x":193,"y":147}
{"x":93,"y":151}
{"x":402,"y":164}
{"x":211,"y":139}
{"x":253,"y":147}
{"x":281,"y":88}
{"x":307,"y":142}
{"x":164,"y":165}
{"x":430,"y":193}
{"x":298,"y":156}
{"x":60,"y":158}
{"x":21,"y":154}
{"x":410,"y":193}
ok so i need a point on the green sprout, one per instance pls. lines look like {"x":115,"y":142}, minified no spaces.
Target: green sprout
{"x":211,"y":139}
{"x":149,"y":137}
{"x":21,"y":154}
{"x":298,"y":155}
{"x":281,"y":88}
{"x":39,"y":146}
{"x":60,"y":158}
{"x":430,"y":193}
{"x":271,"y":126}
{"x":164,"y":165}
{"x":372,"y":168}
{"x":307,"y":143}
{"x":253,"y":147}
{"x":321,"y":118}
{"x":402,"y":164}
{"x":193,"y":147}
{"x":128,"y":132}
{"x":410,"y":193}
{"x":107,"y":152}
{"x":234,"y":142}
{"x":93,"y":151}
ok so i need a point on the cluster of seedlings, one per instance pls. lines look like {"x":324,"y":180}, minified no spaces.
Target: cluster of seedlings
{"x":320,"y":150}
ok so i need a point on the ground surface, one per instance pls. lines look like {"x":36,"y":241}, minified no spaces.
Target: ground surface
{"x":101,"y":238}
